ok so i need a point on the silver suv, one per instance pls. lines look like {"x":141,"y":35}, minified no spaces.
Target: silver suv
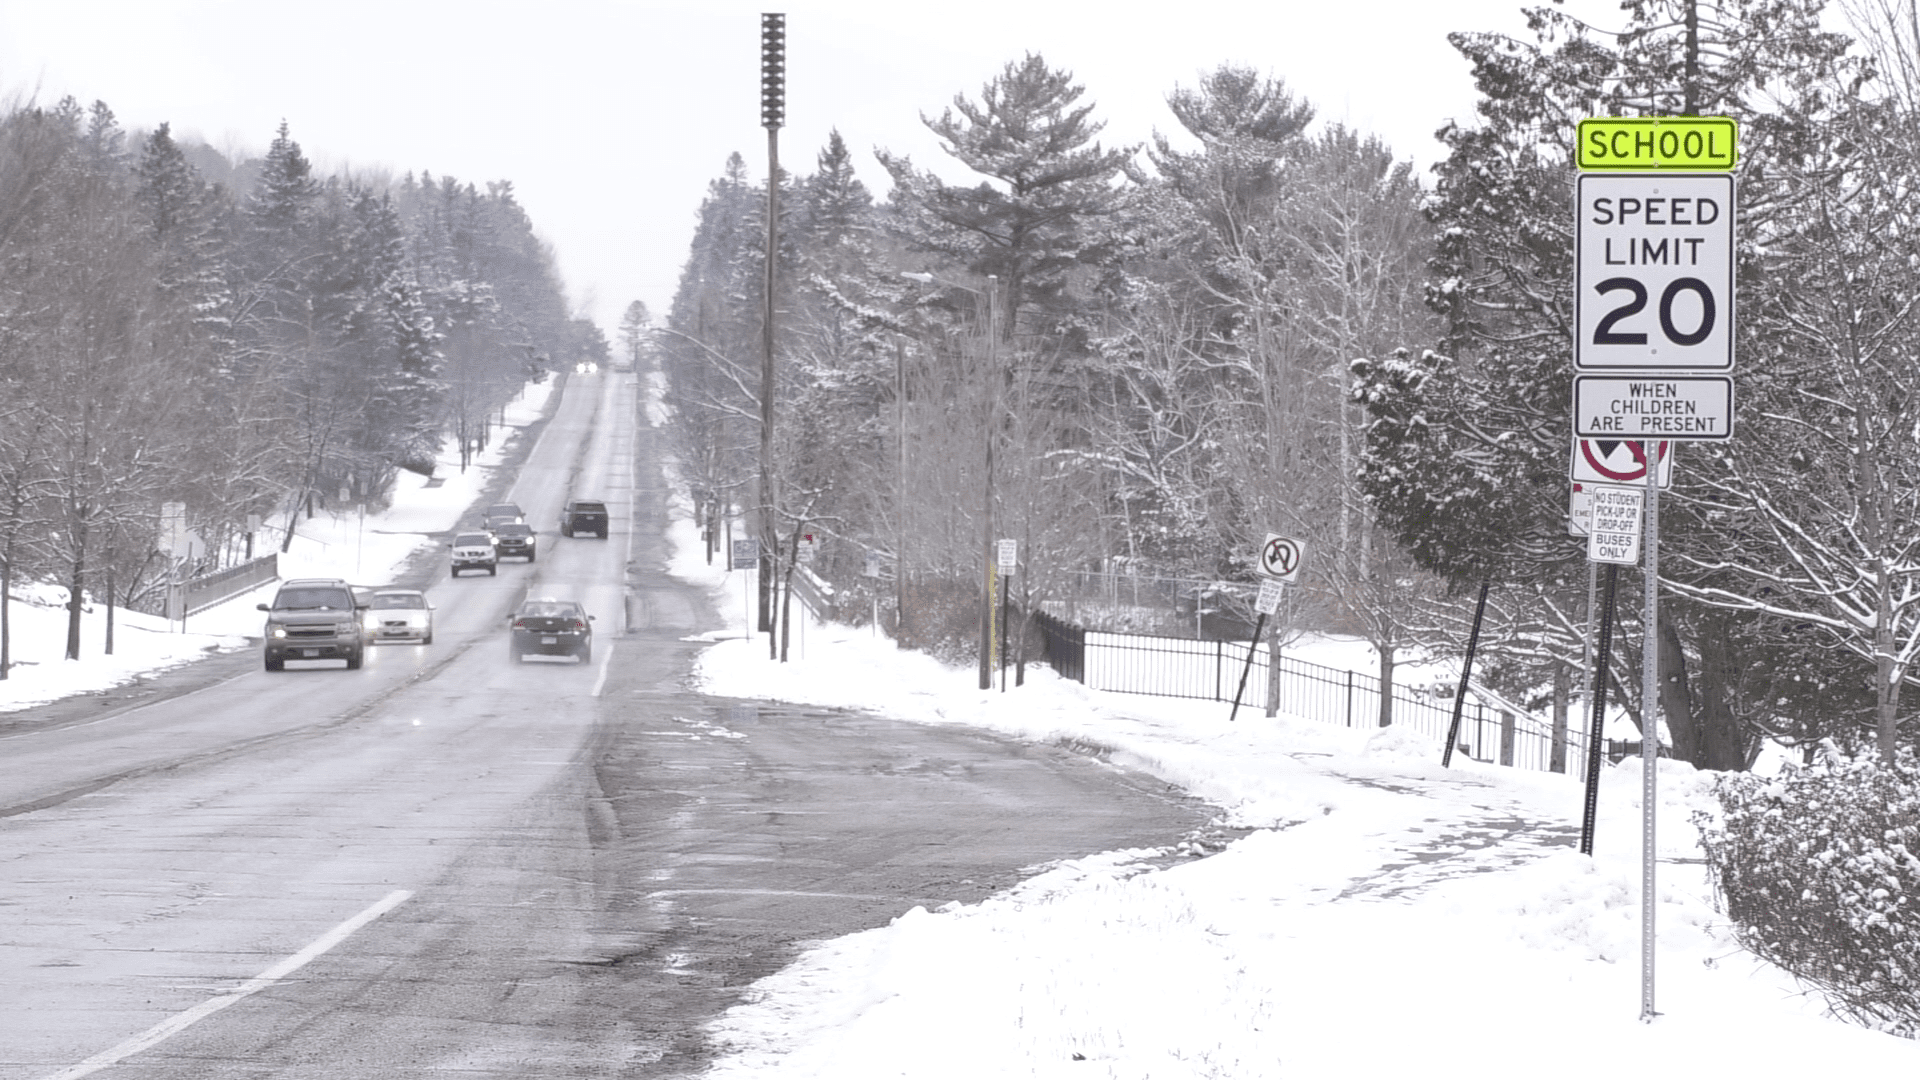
{"x":314,"y":619}
{"x":475,"y":551}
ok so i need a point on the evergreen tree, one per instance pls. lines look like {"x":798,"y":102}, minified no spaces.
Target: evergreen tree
{"x":1488,"y":409}
{"x":636,"y":327}
{"x":1049,"y":193}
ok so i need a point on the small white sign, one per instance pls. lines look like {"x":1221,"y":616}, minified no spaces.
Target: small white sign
{"x":1280,"y":556}
{"x":746,"y":554}
{"x":1683,"y":407}
{"x":1616,"y":525}
{"x":1006,"y":555}
{"x":1580,"y":511}
{"x":872,"y":568}
{"x":805,"y":549}
{"x":1269,"y":599}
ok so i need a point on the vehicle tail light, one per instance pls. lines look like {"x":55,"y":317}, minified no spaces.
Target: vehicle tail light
{"x":578,"y":625}
{"x":519,"y":624}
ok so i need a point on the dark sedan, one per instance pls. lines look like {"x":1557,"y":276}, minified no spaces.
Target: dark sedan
{"x":549,"y":627}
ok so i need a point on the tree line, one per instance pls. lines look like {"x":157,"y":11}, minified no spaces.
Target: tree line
{"x":1148,"y":357}
{"x":247,"y":338}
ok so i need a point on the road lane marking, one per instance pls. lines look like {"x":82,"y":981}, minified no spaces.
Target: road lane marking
{"x":179,"y":1022}
{"x":606,"y":661}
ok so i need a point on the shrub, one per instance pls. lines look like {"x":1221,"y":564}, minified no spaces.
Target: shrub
{"x":1817,"y":871}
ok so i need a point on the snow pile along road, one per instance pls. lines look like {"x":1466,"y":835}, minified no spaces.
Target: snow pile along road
{"x":366,"y":550}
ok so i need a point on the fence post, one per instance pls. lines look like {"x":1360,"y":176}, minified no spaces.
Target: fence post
{"x":1506,"y":738}
{"x":1273,"y":675}
{"x":1349,"y":697}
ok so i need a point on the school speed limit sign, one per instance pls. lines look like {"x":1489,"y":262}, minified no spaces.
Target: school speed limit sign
{"x":1653,"y":279}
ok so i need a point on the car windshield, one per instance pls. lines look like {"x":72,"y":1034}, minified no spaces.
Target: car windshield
{"x":503,"y":510}
{"x":313,"y":599}
{"x":550,"y":609}
{"x":392,"y":601}
{"x":589,"y":508}
{"x":515,"y":530}
{"x":472,"y":540}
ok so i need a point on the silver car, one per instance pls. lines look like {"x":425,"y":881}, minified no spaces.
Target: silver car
{"x":400,"y":615}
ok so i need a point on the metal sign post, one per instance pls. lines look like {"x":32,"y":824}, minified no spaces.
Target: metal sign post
{"x":1466,"y":676}
{"x":1279,"y":562}
{"x":1265,"y":604}
{"x":1596,"y":733}
{"x":1006,"y":559}
{"x":1649,"y":747}
{"x":1653,"y":351}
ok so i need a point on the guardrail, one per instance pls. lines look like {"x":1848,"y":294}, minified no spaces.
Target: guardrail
{"x":200,"y":593}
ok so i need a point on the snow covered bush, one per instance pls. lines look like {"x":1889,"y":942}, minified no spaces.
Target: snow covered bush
{"x":1818,"y":871}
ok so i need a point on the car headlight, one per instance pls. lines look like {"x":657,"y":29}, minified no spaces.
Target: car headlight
{"x":278,"y":631}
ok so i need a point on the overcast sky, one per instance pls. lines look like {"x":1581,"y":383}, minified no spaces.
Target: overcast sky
{"x":611,"y":118}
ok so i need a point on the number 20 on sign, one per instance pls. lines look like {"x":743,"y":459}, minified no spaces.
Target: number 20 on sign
{"x":1653,"y":277}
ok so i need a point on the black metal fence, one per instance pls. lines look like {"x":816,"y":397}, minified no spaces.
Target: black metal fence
{"x":1490,"y":731}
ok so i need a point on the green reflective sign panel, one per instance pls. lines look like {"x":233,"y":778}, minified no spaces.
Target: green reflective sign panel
{"x":1654,"y":143}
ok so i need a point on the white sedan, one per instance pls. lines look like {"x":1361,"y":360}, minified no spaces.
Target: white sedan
{"x":400,"y":615}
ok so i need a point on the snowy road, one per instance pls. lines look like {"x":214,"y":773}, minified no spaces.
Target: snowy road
{"x":443,"y":864}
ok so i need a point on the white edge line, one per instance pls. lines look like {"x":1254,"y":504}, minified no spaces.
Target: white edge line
{"x":179,"y":1022}
{"x":606,"y":661}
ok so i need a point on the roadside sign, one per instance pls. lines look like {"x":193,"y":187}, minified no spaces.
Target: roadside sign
{"x":1653,"y":273}
{"x":173,"y":526}
{"x":1006,"y":555}
{"x":1678,"y":407}
{"x":1580,"y":511}
{"x":1646,"y":143}
{"x":1280,"y":556}
{"x":872,"y":569}
{"x":1619,"y":461}
{"x":746,"y":554}
{"x":1616,"y":525}
{"x":1269,"y":599}
{"x":189,"y":545}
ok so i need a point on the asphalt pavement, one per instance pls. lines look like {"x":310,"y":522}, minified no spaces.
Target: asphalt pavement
{"x":446,"y":864}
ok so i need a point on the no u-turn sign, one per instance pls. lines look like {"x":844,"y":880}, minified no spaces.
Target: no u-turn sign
{"x":1280,"y":557}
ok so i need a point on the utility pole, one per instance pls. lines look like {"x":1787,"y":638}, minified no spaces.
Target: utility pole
{"x":986,"y":490}
{"x":773,"y":107}
{"x":900,"y":496}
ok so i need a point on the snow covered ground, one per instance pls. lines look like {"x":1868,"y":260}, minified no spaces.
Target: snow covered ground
{"x":1385,"y":918}
{"x":365,"y":551}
